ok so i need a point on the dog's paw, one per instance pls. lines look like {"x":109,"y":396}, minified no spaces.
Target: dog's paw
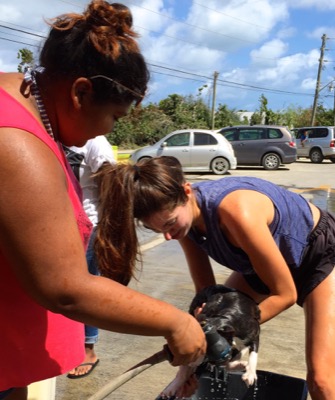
{"x":174,"y":391}
{"x":237,"y":365}
{"x":249,"y":377}
{"x":184,"y":373}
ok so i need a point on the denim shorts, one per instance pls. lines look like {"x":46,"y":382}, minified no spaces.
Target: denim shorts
{"x":317,"y":263}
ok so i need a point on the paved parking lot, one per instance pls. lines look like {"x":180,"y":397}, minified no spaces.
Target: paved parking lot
{"x":165,"y":276}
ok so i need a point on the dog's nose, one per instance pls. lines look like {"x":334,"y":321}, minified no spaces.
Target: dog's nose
{"x":218,"y":348}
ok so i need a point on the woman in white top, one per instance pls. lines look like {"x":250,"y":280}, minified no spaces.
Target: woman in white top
{"x":84,"y":162}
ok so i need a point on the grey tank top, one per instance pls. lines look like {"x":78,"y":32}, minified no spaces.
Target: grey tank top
{"x":290,"y":228}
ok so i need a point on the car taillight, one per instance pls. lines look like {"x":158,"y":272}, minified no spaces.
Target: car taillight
{"x":292,"y":144}
{"x":332,"y":143}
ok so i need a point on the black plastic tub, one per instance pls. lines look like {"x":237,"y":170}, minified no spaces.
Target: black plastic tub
{"x":270,"y":386}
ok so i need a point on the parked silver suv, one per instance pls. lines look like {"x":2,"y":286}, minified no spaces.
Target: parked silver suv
{"x":316,"y":143}
{"x":266,"y":145}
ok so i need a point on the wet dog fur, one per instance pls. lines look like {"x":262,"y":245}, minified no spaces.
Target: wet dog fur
{"x":236,"y":317}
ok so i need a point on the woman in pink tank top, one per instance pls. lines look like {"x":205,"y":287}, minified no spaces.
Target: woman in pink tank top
{"x":91,"y":73}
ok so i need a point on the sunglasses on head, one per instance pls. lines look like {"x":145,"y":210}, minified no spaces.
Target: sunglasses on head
{"x":120,"y":87}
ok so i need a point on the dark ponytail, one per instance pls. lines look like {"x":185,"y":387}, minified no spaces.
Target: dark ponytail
{"x":116,"y":243}
{"x":130,"y":193}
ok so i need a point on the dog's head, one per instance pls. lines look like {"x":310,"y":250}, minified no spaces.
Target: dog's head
{"x":232,"y":314}
{"x":219,"y":350}
{"x":221,"y":324}
{"x":215,"y":309}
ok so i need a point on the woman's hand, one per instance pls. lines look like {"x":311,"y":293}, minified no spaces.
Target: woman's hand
{"x":187,"y":341}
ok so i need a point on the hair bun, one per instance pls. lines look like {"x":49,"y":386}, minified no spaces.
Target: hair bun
{"x":110,"y":23}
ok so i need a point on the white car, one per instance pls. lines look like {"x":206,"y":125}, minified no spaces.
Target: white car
{"x":196,"y":149}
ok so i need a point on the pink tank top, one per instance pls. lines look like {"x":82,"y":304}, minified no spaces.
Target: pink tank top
{"x":36,"y":343}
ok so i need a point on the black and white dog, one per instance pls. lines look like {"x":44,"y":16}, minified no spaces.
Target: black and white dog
{"x":234,"y":316}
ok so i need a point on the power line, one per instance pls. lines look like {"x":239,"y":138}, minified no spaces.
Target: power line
{"x":196,"y":77}
{"x":219,"y":81}
{"x":163,"y":34}
{"x":195,"y":26}
{"x":230,"y":16}
{"x":22,"y":31}
{"x":18,"y":41}
{"x":229,"y":83}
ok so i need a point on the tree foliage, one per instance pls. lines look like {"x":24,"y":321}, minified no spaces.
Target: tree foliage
{"x":145,"y":125}
{"x":225,"y":117}
{"x":324,"y":117}
{"x":27,"y":59}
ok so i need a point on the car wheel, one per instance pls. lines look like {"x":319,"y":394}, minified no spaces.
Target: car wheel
{"x":332,"y":160}
{"x":220,"y":166}
{"x":316,"y":156}
{"x":271,"y":161}
{"x":144,"y":158}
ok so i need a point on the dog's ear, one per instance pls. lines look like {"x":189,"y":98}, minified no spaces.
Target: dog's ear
{"x":225,"y":329}
{"x":222,"y":325}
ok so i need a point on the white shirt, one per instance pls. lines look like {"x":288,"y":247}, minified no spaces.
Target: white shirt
{"x":89,"y":159}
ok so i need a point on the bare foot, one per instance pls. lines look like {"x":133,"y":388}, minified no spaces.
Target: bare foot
{"x":90,"y":359}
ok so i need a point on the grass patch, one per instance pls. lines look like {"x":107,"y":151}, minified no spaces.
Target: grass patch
{"x":123,"y":156}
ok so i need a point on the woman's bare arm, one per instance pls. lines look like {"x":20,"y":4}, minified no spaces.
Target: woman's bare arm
{"x":199,"y":264}
{"x":39,"y":236}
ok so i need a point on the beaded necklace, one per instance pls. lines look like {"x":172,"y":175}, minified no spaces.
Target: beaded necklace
{"x":30,"y":79}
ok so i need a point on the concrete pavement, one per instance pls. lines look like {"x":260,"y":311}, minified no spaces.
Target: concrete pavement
{"x":281,"y":349}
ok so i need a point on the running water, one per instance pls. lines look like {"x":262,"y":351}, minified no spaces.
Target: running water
{"x":217,"y":384}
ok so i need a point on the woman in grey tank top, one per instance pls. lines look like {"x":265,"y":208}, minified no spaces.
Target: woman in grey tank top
{"x":280,"y":248}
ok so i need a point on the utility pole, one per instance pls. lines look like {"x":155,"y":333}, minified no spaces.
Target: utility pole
{"x":317,"y":88}
{"x":216,"y":74}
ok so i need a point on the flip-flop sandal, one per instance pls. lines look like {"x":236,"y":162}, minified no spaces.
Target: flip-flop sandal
{"x":93,"y":365}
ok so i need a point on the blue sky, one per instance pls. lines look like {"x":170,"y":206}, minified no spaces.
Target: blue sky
{"x":269,"y":47}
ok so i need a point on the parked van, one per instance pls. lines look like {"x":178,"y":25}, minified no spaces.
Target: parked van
{"x":316,"y":143}
{"x":266,"y":145}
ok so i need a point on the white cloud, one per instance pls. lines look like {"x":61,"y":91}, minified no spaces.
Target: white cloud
{"x":320,"y":31}
{"x":317,"y":4}
{"x":256,"y":43}
{"x":269,"y":52}
{"x":286,"y":33}
{"x":149,"y":16}
{"x":287,"y":70}
{"x":235,"y":27}
{"x":308,"y":84}
{"x":183,"y":55}
{"x":10,"y":13}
